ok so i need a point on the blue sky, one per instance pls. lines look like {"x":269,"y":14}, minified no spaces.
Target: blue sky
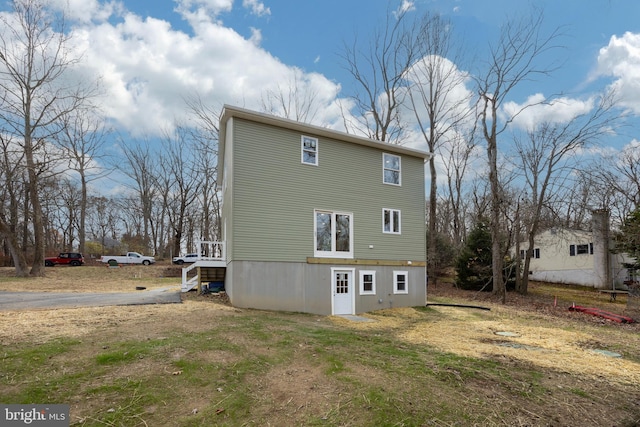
{"x":150,"y":54}
{"x":310,"y":34}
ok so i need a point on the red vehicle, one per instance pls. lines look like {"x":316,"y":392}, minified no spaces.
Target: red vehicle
{"x":65,"y":258}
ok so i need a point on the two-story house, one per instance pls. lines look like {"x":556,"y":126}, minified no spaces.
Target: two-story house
{"x":319,"y":221}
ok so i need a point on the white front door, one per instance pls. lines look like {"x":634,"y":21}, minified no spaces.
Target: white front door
{"x":342,"y":290}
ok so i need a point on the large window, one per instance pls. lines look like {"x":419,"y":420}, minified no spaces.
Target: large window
{"x":391,"y":221}
{"x":333,"y":234}
{"x":391,"y":169}
{"x":584,"y":249}
{"x":309,"y":150}
{"x":400,"y":282}
{"x":367,"y":282}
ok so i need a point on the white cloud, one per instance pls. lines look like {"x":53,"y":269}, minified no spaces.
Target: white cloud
{"x":537,"y":109}
{"x":257,"y":7}
{"x":214,"y":7}
{"x":405,"y":6}
{"x":620,"y":59}
{"x":256,"y":36}
{"x":147,"y":69}
{"x":88,"y":10}
{"x":454,"y":97}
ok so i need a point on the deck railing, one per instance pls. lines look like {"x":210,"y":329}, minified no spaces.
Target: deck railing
{"x":211,"y":250}
{"x":207,"y":251}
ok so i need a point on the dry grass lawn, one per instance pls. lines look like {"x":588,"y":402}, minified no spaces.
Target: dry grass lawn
{"x":536,"y":331}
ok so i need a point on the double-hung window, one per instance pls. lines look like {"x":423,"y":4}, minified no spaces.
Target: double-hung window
{"x":534,"y":254}
{"x":367,"y":282}
{"x":391,"y":169}
{"x":390,"y":221}
{"x":333,"y":234}
{"x":400,"y":282}
{"x":309,"y":150}
{"x":584,"y":249}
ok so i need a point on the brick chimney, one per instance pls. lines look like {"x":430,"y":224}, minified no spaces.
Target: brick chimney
{"x":601,"y":256}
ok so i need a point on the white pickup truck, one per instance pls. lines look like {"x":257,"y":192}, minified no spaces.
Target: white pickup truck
{"x":129,"y":258}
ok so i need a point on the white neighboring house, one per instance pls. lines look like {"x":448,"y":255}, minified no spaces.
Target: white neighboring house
{"x":578,"y":257}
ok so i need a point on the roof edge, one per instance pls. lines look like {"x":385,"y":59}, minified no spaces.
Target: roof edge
{"x":232,"y":111}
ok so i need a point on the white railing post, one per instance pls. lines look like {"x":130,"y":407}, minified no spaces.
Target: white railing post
{"x":214,"y":251}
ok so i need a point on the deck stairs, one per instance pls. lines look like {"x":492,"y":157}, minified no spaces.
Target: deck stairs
{"x":210,"y":267}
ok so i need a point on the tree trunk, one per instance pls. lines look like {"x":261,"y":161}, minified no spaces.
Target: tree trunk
{"x":19,"y":260}
{"x":83,"y":214}
{"x":37,"y":267}
{"x":432,"y":248}
{"x":496,"y":251}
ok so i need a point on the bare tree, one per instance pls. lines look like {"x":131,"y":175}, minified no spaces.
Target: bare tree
{"x":379,"y":72}
{"x":82,"y":139}
{"x":205,"y":138}
{"x":297,"y":100}
{"x":457,"y":155}
{"x":35,"y":93}
{"x":140,"y":164}
{"x":618,"y":176}
{"x":13,"y":189}
{"x":547,"y":156}
{"x":511,"y":62}
{"x":178,"y":180}
{"x":102,"y":219}
{"x":439,"y":102}
{"x":60,"y":212}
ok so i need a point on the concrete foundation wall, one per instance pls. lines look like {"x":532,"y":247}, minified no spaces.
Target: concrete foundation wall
{"x":580,"y":277}
{"x":304,"y":287}
{"x":569,"y":277}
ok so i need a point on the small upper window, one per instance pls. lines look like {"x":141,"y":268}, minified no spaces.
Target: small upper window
{"x":391,"y":168}
{"x":391,"y":221}
{"x":309,"y":150}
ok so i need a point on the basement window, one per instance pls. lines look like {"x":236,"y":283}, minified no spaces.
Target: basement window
{"x":367,"y":282}
{"x":400,"y":282}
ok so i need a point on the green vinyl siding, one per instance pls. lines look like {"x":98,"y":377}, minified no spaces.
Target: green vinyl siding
{"x":275,"y":194}
{"x":227,"y":190}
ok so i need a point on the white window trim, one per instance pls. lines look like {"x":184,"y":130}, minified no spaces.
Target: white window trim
{"x":333,"y":253}
{"x":302,"y":150}
{"x":399,"y":170}
{"x":373,"y":284}
{"x":395,"y":282}
{"x":391,"y":211}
